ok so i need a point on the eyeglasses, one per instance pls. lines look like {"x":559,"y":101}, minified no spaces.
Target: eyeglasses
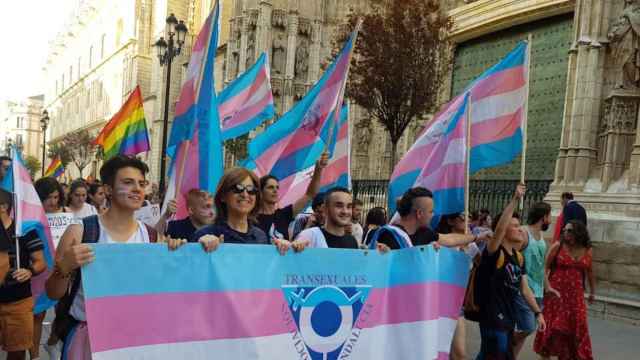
{"x":239,"y":189}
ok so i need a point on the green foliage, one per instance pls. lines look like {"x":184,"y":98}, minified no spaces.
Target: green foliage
{"x":33,"y":165}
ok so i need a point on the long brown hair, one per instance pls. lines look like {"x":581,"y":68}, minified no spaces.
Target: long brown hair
{"x":230,"y":179}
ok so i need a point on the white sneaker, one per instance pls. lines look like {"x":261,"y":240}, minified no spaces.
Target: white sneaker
{"x":54,"y":351}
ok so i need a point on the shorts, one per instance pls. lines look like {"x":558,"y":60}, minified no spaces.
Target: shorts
{"x":525,"y":318}
{"x":16,"y":325}
{"x":495,"y":344}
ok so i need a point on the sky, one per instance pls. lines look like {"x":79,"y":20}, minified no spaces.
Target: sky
{"x":27,"y":26}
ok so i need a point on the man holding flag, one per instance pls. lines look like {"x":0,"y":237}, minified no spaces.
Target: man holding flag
{"x":16,"y":300}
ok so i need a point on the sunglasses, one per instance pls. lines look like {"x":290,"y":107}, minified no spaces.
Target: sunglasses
{"x":568,"y":231}
{"x":239,"y":189}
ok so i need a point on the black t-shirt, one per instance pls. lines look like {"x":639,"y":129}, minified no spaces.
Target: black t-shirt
{"x":504,"y":285}
{"x":4,"y":240}
{"x":181,"y":229}
{"x":12,"y":290}
{"x":339,"y":242}
{"x":280,"y":219}
{"x":422,"y":236}
{"x":231,"y":236}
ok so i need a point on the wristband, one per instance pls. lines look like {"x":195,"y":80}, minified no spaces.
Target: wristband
{"x":538,"y":313}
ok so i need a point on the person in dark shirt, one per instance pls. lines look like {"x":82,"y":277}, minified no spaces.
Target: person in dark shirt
{"x":5,"y":165}
{"x":275,"y":221}
{"x":338,"y":205}
{"x":236,"y":206}
{"x":201,"y":214}
{"x":503,"y":270}
{"x":415,"y":210}
{"x":26,"y":259}
{"x":572,"y":210}
{"x":4,"y":254}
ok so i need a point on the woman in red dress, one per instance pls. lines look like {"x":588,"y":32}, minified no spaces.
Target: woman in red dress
{"x":568,"y":264}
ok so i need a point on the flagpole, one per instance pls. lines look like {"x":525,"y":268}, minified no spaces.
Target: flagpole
{"x":467,"y":173}
{"x":525,"y":115}
{"x":338,"y":108}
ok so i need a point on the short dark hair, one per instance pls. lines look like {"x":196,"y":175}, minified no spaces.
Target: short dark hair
{"x":405,"y":204}
{"x":4,"y":158}
{"x":110,"y":168}
{"x":376,"y":216}
{"x":333,"y":190}
{"x":567,"y":196}
{"x":6,"y":198}
{"x":46,"y":186}
{"x":318,"y":200}
{"x":357,"y":202}
{"x":265,"y":179}
{"x":515,"y":215}
{"x":538,"y":211}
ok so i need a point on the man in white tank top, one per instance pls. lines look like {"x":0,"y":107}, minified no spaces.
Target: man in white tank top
{"x":124,"y":179}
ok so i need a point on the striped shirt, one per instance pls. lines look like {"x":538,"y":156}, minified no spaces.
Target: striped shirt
{"x":12,"y":290}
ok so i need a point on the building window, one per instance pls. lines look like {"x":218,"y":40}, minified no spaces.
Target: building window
{"x":62,"y":86}
{"x":19,"y":140}
{"x":79,"y":66}
{"x":19,"y":122}
{"x":90,"y":57}
{"x":70,"y":75}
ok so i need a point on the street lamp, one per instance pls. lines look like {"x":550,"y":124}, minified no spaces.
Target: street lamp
{"x":44,"y":122}
{"x":7,"y":146}
{"x":176,"y":33}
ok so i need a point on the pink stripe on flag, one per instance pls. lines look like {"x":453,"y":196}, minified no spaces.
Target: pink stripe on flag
{"x":448,"y":176}
{"x":240,"y":98}
{"x":498,"y":83}
{"x":249,"y":112}
{"x":187,"y":97}
{"x":496,"y":129}
{"x":152,"y":319}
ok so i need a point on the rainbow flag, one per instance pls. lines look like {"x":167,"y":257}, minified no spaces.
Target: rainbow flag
{"x":126,"y":132}
{"x":55,"y":169}
{"x":321,"y":304}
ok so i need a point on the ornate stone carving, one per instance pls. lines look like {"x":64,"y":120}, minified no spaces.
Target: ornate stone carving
{"x":251,"y":49}
{"x":304,"y":27}
{"x":302,"y":59}
{"x":276,"y":85}
{"x":279,"y":54}
{"x":299,"y":91}
{"x":363,"y":134}
{"x":279,"y":19}
{"x":253,"y":18}
{"x":624,"y":34}
{"x":616,"y":134}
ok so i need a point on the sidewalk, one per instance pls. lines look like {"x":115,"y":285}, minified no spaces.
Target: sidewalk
{"x":610,"y":341}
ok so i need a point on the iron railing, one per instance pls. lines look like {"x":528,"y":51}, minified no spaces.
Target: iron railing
{"x":489,"y":194}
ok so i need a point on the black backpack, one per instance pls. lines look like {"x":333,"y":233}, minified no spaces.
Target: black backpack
{"x":476,"y":295}
{"x":64,"y":322}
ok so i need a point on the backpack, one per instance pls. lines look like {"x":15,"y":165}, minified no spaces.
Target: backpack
{"x":64,"y":322}
{"x":400,"y":240}
{"x":476,"y":295}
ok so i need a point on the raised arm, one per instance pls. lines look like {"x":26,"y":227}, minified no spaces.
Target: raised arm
{"x":503,"y":223}
{"x":314,"y":185}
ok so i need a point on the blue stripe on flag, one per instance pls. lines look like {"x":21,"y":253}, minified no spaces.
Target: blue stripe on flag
{"x":496,"y":153}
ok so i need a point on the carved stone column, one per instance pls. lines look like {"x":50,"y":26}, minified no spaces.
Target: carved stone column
{"x":244,"y":37}
{"x":634,"y":166}
{"x":292,"y":34}
{"x":263,"y":31}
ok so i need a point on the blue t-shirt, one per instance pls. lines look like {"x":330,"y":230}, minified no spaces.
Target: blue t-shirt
{"x":253,"y":236}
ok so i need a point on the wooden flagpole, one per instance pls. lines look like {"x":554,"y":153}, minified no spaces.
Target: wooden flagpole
{"x":467,"y":159}
{"x":525,"y":115}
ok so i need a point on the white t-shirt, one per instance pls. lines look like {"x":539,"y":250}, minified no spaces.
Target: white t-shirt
{"x":87,"y":210}
{"x":315,"y":237}
{"x":141,"y":236}
{"x":356,"y":231}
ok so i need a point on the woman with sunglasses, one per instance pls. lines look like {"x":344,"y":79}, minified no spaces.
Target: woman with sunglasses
{"x":568,"y":264}
{"x":236,"y":203}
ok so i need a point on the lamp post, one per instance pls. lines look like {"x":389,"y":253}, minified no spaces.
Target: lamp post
{"x":7,"y":146}
{"x":44,"y":122}
{"x":176,"y":33}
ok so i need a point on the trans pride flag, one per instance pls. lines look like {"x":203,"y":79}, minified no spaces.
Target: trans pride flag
{"x":294,"y":142}
{"x":30,"y":216}
{"x":196,"y":149}
{"x":322,"y":304}
{"x":337,"y":172}
{"x":497,"y":99}
{"x":247,"y":101}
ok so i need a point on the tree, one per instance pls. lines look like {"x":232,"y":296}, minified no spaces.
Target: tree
{"x":33,"y":165}
{"x":237,"y":147}
{"x":59,"y":149}
{"x":399,"y":62}
{"x":81,"y":148}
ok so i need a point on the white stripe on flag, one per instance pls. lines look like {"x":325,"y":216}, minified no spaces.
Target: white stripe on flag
{"x":498,"y":105}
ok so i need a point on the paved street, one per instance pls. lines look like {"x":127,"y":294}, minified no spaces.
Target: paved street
{"x":611,"y":341}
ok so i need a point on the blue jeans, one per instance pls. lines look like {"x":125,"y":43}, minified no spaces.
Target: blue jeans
{"x":495,"y":344}
{"x":525,"y":318}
